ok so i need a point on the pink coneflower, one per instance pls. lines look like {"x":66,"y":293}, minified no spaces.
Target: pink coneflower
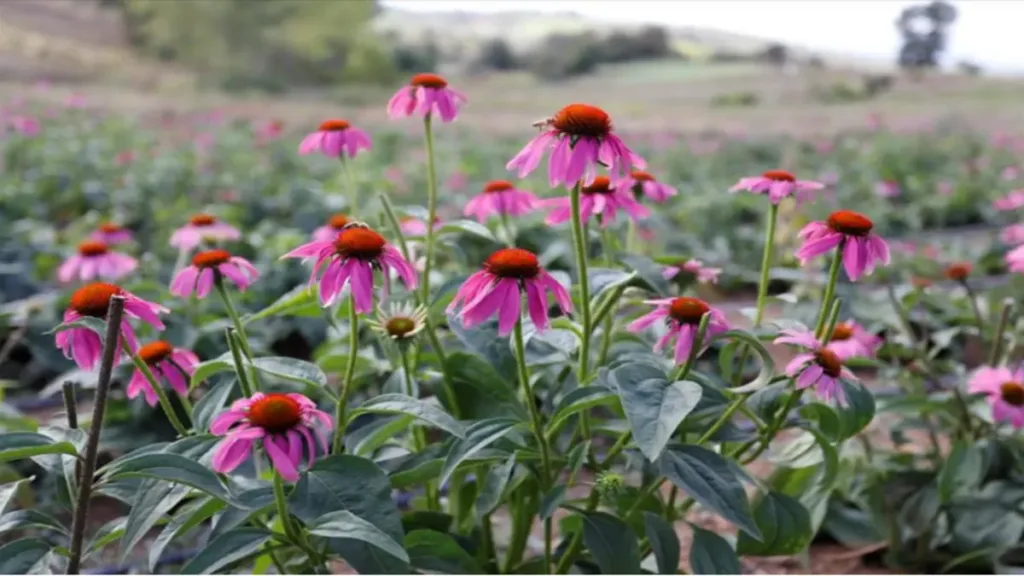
{"x":499,"y":198}
{"x":167,"y":363}
{"x":329,"y":231}
{"x":696,"y":268}
{"x":945,"y":188}
{"x":85,"y":346}
{"x":203,"y":227}
{"x":498,"y":289}
{"x":850,"y":339}
{"x":25,"y":125}
{"x":683,"y":316}
{"x":778,"y":184}
{"x":95,"y":260}
{"x":1012,"y":234}
{"x":269,"y":131}
{"x":457,"y":181}
{"x":580,"y":139}
{"x":282,"y":423}
{"x":958,"y":271}
{"x":1011,"y":201}
{"x":598,"y":198}
{"x":206,"y":267}
{"x":426,"y":94}
{"x":821,"y":367}
{"x":1005,"y":391}
{"x":412,"y":226}
{"x":75,"y":101}
{"x":862,"y":249}
{"x":643,"y":184}
{"x":1015,"y":259}
{"x":334,"y":138}
{"x":1010,"y":173}
{"x":351,"y":259}
{"x":111,"y":234}
{"x":887,"y":189}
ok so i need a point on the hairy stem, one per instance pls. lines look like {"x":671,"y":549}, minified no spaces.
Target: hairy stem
{"x":346,"y":382}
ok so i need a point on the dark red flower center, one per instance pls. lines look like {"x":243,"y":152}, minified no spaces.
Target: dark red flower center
{"x":92,"y":248}
{"x":156,"y":351}
{"x":203,"y":220}
{"x":110,"y":228}
{"x":275,"y":413}
{"x":779,"y":176}
{"x":843,"y":331}
{"x":361,"y":243}
{"x":400,"y":326}
{"x":1012,"y":393}
{"x":498,"y":186}
{"x":641,"y":176}
{"x":600,"y":185}
{"x":959,"y":271}
{"x":582,"y":120}
{"x":338,"y":221}
{"x":920,"y":282}
{"x":687,"y":310}
{"x":211,"y":258}
{"x":829,"y":362}
{"x":428,"y":81}
{"x":334,"y":125}
{"x":94,"y":299}
{"x":513,"y":263}
{"x":850,"y":223}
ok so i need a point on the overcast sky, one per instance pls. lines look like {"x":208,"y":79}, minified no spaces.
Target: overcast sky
{"x":986,"y":31}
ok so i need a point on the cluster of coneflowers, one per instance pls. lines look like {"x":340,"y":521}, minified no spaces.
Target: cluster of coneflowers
{"x":605,"y":178}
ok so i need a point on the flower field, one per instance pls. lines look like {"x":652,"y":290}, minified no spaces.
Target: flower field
{"x":235,"y":345}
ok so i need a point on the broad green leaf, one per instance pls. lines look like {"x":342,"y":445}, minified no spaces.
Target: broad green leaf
{"x":22,"y":556}
{"x":964,"y":469}
{"x":647,"y":271}
{"x":664,"y":543}
{"x":494,"y":484}
{"x":483,"y":341}
{"x":468,"y":227}
{"x":603,"y":280}
{"x":710,"y":480}
{"x":203,"y":370}
{"x":21,"y":519}
{"x":292,"y":369}
{"x":299,"y":301}
{"x":479,"y":436}
{"x":97,"y":325}
{"x":655,"y":408}
{"x":227,"y":549}
{"x":369,"y":437}
{"x":344,"y":524}
{"x":712,"y":554}
{"x":346,"y":482}
{"x":785,"y":527}
{"x":767,"y":371}
{"x":20,"y":445}
{"x":212,"y":403}
{"x":439,"y":553}
{"x":153,"y":501}
{"x":576,"y":401}
{"x":10,"y":490}
{"x":552,"y":500}
{"x":186,"y":519}
{"x":858,"y":411}
{"x":171,"y":468}
{"x":481,"y":392}
{"x":106,"y":535}
{"x":420,"y":409}
{"x":612,"y":543}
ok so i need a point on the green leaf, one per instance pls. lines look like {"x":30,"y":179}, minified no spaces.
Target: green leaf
{"x":712,"y":554}
{"x":212,"y":403}
{"x":369,"y":437}
{"x":97,"y":325}
{"x":22,"y":556}
{"x":299,"y":301}
{"x":612,"y":543}
{"x":186,"y":519}
{"x":468,"y":227}
{"x":346,"y":482}
{"x":419,"y":409}
{"x":292,"y":369}
{"x":858,"y":411}
{"x":21,"y":519}
{"x":551,"y":501}
{"x":344,"y":524}
{"x":480,"y":391}
{"x":767,"y":371}
{"x":9,"y":491}
{"x":439,"y":553}
{"x":654,"y":407}
{"x":664,"y":543}
{"x":494,"y":485}
{"x":603,"y":280}
{"x":583,"y":398}
{"x":964,"y":469}
{"x":171,"y":468}
{"x":227,"y":548}
{"x":479,"y":436}
{"x":153,"y":501}
{"x":710,"y":480}
{"x":647,"y":271}
{"x":785,"y":527}
{"x":203,"y":370}
{"x":20,"y":445}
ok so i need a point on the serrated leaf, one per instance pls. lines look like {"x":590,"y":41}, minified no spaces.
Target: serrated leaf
{"x":344,"y":524}
{"x":654,"y":408}
{"x":710,"y":480}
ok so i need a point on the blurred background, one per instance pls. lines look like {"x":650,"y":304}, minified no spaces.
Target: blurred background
{"x":700,"y":65}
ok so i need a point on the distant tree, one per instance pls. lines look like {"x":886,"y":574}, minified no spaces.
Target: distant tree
{"x":776,"y":54}
{"x":924,"y":29}
{"x":496,"y":54}
{"x":562,"y":56}
{"x":648,"y":43}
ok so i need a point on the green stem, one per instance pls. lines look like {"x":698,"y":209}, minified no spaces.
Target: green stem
{"x":431,"y":206}
{"x":295,"y":536}
{"x":973,"y":298}
{"x":235,"y":346}
{"x":580,"y":244}
{"x":353,"y":190}
{"x":161,"y":395}
{"x":346,"y":382}
{"x":997,"y":338}
{"x":236,"y":320}
{"x":538,"y":432}
{"x":419,"y":439}
{"x":766,"y":263}
{"x":830,"y":290}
